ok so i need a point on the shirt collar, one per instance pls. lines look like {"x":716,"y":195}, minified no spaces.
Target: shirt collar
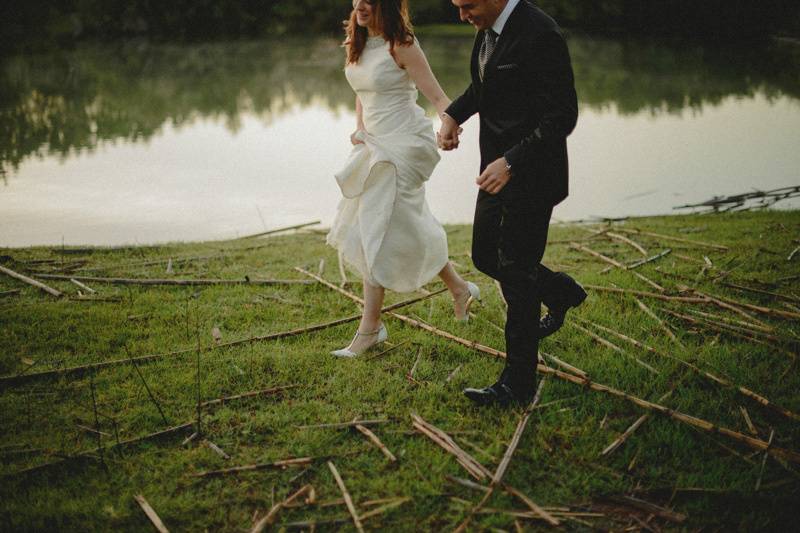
{"x":500,"y":23}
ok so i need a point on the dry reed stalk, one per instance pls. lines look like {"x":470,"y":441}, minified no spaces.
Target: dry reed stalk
{"x":262,"y":392}
{"x":747,"y":421}
{"x":614,"y":347}
{"x":716,"y":379}
{"x":619,"y":441}
{"x":650,"y":282}
{"x":660,"y":322}
{"x":377,"y":442}
{"x":181,"y":282}
{"x":216,"y":449}
{"x":151,"y":514}
{"x":748,"y":325}
{"x":469,"y":344}
{"x":565,"y":365}
{"x":637,"y":264}
{"x":384,"y":352}
{"x":704,"y":425}
{"x":383,"y":508}
{"x":278,"y":230}
{"x":12,"y":292}
{"x":475,"y":468}
{"x":31,"y":281}
{"x":83,"y":286}
{"x":347,"y":499}
{"x":270,"y":517}
{"x":764,"y":461}
{"x":760,"y":291}
{"x":6,"y":381}
{"x":598,"y":255}
{"x":339,"y":425}
{"x":664,"y":297}
{"x":497,"y":478}
{"x":285,"y":463}
{"x":727,"y":329}
{"x":630,"y":242}
{"x":768,"y":311}
{"x":702,"y":244}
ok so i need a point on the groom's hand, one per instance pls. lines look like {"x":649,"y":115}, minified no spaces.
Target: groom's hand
{"x":447,"y":136}
{"x":495,"y":177}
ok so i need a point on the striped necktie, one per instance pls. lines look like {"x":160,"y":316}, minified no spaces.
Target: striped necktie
{"x":487,"y":47}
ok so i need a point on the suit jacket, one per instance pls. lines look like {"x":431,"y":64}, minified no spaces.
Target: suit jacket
{"x":527,"y":105}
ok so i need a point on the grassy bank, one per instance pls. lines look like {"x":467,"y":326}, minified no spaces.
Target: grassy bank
{"x":707,"y":480}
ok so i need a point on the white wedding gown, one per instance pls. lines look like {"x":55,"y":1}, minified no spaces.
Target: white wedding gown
{"x":383,"y":227}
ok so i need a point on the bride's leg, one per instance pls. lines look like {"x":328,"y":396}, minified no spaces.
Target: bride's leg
{"x":371,"y":319}
{"x":458,"y":289}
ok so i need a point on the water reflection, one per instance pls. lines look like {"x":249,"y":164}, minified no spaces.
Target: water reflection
{"x":162,"y":108}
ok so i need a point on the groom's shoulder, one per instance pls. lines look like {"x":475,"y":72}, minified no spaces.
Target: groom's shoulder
{"x":537,"y":18}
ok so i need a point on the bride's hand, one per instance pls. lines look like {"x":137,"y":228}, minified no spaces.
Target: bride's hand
{"x":354,"y":140}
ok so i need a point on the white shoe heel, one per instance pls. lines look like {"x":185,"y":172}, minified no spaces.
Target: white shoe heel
{"x":474,"y":294}
{"x":380,"y":334}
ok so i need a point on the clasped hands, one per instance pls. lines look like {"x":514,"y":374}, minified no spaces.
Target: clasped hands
{"x":494,"y":177}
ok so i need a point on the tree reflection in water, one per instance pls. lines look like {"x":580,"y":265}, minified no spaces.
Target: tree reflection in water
{"x":69,"y":102}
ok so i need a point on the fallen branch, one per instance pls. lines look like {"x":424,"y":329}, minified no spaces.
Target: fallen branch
{"x":614,"y":347}
{"x":664,"y":297}
{"x":31,"y":281}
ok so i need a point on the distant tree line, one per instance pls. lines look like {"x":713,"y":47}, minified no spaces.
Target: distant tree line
{"x":60,"y":21}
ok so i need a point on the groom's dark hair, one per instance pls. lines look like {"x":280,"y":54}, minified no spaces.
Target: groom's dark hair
{"x":391,"y":19}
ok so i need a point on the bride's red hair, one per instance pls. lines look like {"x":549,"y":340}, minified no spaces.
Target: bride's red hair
{"x":392,"y":21}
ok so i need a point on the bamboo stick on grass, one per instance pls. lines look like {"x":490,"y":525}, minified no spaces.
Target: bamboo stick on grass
{"x":270,"y":517}
{"x":377,"y":442}
{"x":699,"y":423}
{"x":31,"y":281}
{"x":347,"y":499}
{"x":151,"y":514}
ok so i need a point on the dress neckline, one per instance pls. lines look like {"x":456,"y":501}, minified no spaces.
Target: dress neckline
{"x":375,"y":41}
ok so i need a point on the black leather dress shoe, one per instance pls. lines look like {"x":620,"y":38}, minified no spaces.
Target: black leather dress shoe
{"x":497,"y":394}
{"x":554,"y":319}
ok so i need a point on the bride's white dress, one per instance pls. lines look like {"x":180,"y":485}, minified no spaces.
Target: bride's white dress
{"x":383,"y":227}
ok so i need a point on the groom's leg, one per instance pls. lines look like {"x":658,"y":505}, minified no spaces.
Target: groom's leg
{"x":521,"y":247}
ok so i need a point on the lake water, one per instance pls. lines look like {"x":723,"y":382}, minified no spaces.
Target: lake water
{"x":142,"y":143}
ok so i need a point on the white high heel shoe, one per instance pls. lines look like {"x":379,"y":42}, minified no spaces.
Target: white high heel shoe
{"x":380,"y":335}
{"x":474,"y":293}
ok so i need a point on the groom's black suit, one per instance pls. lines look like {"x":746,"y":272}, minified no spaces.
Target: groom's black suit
{"x":527,"y":106}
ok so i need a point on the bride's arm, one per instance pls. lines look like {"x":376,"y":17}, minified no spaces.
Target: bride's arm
{"x":413,"y":60}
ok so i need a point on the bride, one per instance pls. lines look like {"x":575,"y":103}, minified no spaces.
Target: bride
{"x":383,"y":227}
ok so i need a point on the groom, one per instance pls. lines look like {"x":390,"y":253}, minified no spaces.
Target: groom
{"x":523,"y":88}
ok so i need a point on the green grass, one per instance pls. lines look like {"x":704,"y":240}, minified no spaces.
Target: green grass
{"x":557,"y":462}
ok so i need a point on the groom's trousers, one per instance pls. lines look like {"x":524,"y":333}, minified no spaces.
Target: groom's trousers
{"x":508,"y":242}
